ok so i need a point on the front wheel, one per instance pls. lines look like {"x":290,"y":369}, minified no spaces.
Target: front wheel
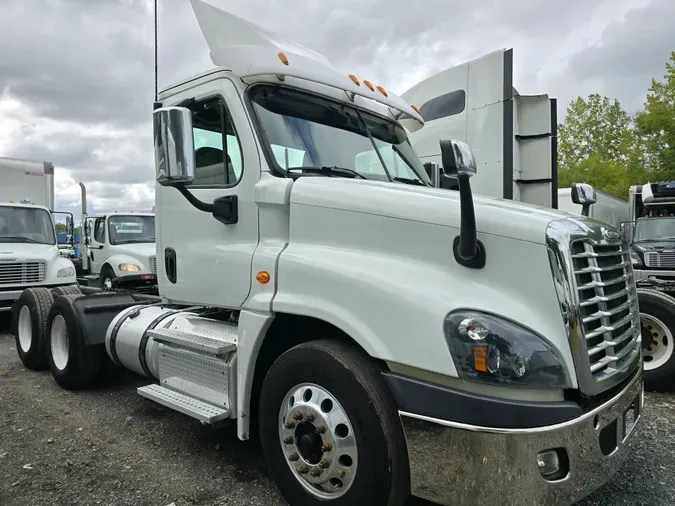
{"x":657,"y":321}
{"x":330,"y":429}
{"x":105,"y":280}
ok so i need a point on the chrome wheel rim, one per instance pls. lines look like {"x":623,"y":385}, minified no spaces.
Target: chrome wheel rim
{"x":107,"y":284}
{"x":25,"y":329}
{"x":661,"y":345}
{"x":59,"y":342}
{"x":318,"y":441}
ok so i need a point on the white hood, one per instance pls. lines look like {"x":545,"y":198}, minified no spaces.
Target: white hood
{"x":140,"y":250}
{"x":18,"y":252}
{"x":427,"y":205}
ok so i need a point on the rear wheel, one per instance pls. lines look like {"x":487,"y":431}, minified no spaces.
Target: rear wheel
{"x":30,"y":326}
{"x":66,"y":290}
{"x":330,"y":429}
{"x":74,"y":364}
{"x":657,"y":320}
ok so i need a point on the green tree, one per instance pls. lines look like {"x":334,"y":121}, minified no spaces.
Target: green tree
{"x":598,"y":145}
{"x":60,"y":228}
{"x":656,"y":125}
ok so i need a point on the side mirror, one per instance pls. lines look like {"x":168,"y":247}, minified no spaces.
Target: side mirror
{"x":433,"y":170}
{"x":584,"y":195}
{"x":174,"y":146}
{"x":458,"y":161}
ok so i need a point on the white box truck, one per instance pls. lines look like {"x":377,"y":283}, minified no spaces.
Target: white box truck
{"x":29,"y":254}
{"x":382,"y":336}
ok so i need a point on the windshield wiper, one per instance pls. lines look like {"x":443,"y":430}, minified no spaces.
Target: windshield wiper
{"x":330,"y":171}
{"x":408,"y":180}
{"x":19,"y":238}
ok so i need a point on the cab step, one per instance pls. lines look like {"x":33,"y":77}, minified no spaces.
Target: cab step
{"x":202,"y":411}
{"x":193,"y":341}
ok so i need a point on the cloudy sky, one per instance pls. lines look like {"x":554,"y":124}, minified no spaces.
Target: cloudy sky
{"x":76,"y":76}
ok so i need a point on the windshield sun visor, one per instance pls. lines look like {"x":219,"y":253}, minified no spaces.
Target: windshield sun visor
{"x":249,"y":50}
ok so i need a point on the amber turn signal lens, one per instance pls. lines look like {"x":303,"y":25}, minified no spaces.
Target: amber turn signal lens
{"x":262,"y":277}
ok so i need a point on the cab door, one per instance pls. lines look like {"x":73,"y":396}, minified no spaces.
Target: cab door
{"x":97,"y":245}
{"x":201,"y":260}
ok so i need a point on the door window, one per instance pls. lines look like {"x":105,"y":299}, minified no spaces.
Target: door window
{"x":218,"y":158}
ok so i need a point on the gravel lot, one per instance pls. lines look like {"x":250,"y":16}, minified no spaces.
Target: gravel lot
{"x":109,"y":446}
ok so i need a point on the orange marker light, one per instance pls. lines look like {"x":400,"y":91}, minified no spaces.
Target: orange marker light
{"x":283,"y":58}
{"x":262,"y":277}
{"x":416,"y":109}
{"x":355,"y":79}
{"x":369,"y":84}
{"x":382,"y":90}
{"x":480,"y":358}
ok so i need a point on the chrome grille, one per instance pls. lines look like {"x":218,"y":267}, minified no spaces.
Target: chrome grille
{"x":22,"y":273}
{"x":608,"y":311}
{"x":660,"y":259}
{"x":153,"y":264}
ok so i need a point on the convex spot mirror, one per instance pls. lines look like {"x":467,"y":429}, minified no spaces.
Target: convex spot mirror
{"x":174,"y":146}
{"x":458,"y":159}
{"x":583,"y":194}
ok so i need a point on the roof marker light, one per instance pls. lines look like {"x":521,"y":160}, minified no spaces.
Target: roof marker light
{"x":382,"y":90}
{"x":369,"y":84}
{"x":355,"y":79}
{"x":283,"y":58}
{"x":416,"y":109}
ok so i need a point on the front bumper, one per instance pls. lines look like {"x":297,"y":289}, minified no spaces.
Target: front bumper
{"x":641,"y":274}
{"x":10,"y":296}
{"x":454,"y":463}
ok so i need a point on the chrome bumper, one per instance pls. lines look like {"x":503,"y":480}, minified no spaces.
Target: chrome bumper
{"x":641,"y":274}
{"x":453,"y":463}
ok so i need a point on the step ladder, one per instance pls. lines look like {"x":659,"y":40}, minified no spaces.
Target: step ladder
{"x":197,"y":367}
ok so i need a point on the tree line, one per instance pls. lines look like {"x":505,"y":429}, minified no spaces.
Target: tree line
{"x":601,"y":144}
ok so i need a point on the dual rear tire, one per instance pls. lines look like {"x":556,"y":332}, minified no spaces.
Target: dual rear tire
{"x":48,"y":334}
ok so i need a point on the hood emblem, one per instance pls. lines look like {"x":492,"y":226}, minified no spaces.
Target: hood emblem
{"x":8,"y":259}
{"x":611,"y":235}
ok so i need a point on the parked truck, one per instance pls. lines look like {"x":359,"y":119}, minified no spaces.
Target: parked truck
{"x":117,"y":249}
{"x":650,"y":229}
{"x":29,"y":254}
{"x":381,"y":335}
{"x":608,"y":208}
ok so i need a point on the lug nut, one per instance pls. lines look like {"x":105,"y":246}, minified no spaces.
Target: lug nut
{"x":290,"y":425}
{"x":310,"y":417}
{"x":303,"y":469}
{"x":298,"y":416}
{"x":316,"y":471}
{"x":294,"y":457}
{"x":324,"y":463}
{"x":320,"y":429}
{"x":288,"y":440}
{"x":326,"y":447}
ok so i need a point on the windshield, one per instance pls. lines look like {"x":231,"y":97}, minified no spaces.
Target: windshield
{"x":655,"y":229}
{"x":26,"y":225}
{"x":303,"y":130}
{"x":131,"y":229}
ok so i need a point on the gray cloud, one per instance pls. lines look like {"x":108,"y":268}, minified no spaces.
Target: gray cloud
{"x":82,"y":70}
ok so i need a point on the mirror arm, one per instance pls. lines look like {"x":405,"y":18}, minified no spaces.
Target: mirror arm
{"x":585,"y":209}
{"x":202,"y":206}
{"x":468,"y":250}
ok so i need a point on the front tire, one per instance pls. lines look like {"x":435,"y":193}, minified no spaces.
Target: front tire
{"x":105,"y":280}
{"x":330,"y":429}
{"x":30,"y":326}
{"x":73,"y":363}
{"x":657,"y":319}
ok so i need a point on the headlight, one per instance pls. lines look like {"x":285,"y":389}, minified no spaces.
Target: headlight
{"x":635,"y":258}
{"x":66,"y":272}
{"x":130,"y":268}
{"x":489,"y":349}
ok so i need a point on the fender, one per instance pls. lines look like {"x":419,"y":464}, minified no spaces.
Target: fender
{"x":120,"y":258}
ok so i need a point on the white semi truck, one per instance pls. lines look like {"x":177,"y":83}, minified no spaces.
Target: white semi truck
{"x":117,"y":249}
{"x":382,"y":336}
{"x":29,"y":254}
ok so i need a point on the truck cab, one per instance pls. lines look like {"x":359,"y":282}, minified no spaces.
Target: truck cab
{"x":29,"y":254}
{"x":120,"y":248}
{"x":382,"y":335}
